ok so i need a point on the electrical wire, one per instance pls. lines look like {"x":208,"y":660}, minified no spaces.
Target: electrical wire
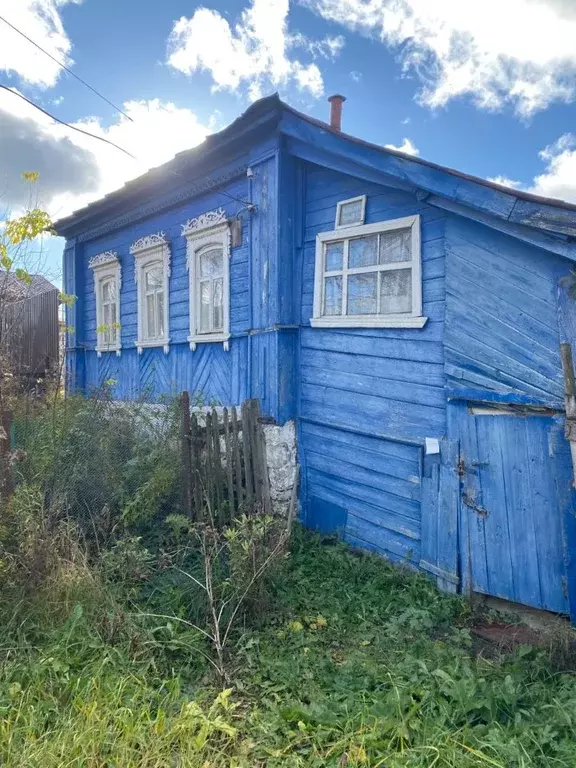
{"x":60,"y":64}
{"x":62,"y":122}
{"x":247,"y":204}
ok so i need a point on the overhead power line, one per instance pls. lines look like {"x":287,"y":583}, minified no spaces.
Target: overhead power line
{"x":60,"y":64}
{"x":63,"y":122}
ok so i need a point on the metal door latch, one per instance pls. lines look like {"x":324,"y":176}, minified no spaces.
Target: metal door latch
{"x":469,"y":501}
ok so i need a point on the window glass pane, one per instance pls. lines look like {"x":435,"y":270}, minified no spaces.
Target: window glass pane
{"x":113,"y":330}
{"x":107,"y":290}
{"x":160,"y":313}
{"x":153,"y":278}
{"x":363,"y":251}
{"x":150,"y":317}
{"x":333,"y":296}
{"x":205,"y":306}
{"x":218,"y":313}
{"x":211,"y":263}
{"x":334,"y":256}
{"x":395,"y":246}
{"x":351,"y":213}
{"x":362,"y":294}
{"x":395,"y":291}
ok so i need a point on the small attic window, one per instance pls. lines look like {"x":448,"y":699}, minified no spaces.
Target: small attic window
{"x":351,"y":213}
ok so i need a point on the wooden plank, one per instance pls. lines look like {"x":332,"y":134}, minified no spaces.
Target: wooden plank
{"x":229,"y":467}
{"x":209,"y":467}
{"x":364,"y":493}
{"x":472,"y":539}
{"x":186,"y":468}
{"x":262,"y":459}
{"x":385,"y":540}
{"x":368,"y":474}
{"x":217,"y":464}
{"x":429,"y":525}
{"x":246,"y":451}
{"x":498,"y":549}
{"x":239,"y":485}
{"x":448,"y":498}
{"x":255,"y":453}
{"x":545,"y":442}
{"x":197,"y":489}
{"x":521,"y":510}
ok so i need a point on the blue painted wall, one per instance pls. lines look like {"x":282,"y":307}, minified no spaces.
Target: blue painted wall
{"x":369,"y":397}
{"x":251,"y":366}
{"x":501,"y":314}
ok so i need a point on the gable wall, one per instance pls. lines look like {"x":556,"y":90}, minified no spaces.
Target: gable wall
{"x":501,"y":314}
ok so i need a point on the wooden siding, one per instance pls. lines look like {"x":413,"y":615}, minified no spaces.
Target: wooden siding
{"x":251,"y":365}
{"x":369,"y":397}
{"x":501,"y":314}
{"x":389,"y":381}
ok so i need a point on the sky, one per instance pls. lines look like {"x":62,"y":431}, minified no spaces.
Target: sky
{"x":486,"y":87}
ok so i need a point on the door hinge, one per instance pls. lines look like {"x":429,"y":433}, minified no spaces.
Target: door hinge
{"x":461,"y":469}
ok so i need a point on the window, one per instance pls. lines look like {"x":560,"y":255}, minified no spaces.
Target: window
{"x":369,"y":276}
{"x":107,"y":284}
{"x":351,"y":212}
{"x":152,"y":272}
{"x":208,"y":259}
{"x":154,"y":301}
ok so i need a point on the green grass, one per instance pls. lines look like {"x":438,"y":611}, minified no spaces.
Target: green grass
{"x":353,"y":663}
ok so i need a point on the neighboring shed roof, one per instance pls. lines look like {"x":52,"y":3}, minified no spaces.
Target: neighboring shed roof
{"x":523,"y":208}
{"x":18,"y":289}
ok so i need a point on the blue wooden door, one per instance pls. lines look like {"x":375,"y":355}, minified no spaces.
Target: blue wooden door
{"x":516,"y":478}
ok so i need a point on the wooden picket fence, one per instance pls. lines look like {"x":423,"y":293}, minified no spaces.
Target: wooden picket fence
{"x":224,"y":468}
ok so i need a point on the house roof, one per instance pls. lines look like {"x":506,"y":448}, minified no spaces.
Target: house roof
{"x":515,"y":206}
{"x":17,"y":289}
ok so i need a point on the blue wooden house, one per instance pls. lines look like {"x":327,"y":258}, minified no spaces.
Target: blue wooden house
{"x":406,"y":316}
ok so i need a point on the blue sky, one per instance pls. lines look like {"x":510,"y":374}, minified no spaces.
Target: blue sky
{"x":488,"y":88}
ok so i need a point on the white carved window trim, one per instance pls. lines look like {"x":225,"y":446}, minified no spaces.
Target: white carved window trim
{"x":210,"y":229}
{"x":339,"y":206}
{"x":412,"y":319}
{"x":148,"y":251}
{"x":106,"y":267}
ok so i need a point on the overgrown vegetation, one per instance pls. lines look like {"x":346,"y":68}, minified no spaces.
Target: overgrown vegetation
{"x":132,"y":636}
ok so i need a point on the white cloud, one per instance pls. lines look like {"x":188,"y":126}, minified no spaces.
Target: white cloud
{"x":40,"y":21}
{"x":498,"y":51}
{"x":76,"y":169}
{"x":407,"y":146}
{"x":356,"y":76}
{"x":504,"y":181}
{"x":558,"y":181}
{"x":255,"y":52}
{"x":559,"y":178}
{"x":327,"y":48}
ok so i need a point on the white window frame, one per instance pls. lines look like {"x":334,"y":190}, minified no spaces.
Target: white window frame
{"x":106,"y":267}
{"x":360,"y":199}
{"x":210,"y":229}
{"x":149,"y":250}
{"x":412,"y":319}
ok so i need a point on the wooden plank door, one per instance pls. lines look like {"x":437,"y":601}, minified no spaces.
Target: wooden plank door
{"x":516,"y":478}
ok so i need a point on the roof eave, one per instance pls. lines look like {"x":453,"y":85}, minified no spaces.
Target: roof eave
{"x":261,"y":117}
{"x":557,"y":217}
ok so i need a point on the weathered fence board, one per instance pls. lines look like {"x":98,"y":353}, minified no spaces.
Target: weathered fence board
{"x":224,"y":463}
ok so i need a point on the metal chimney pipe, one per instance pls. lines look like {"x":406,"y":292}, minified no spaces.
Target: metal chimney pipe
{"x":336,"y":102}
